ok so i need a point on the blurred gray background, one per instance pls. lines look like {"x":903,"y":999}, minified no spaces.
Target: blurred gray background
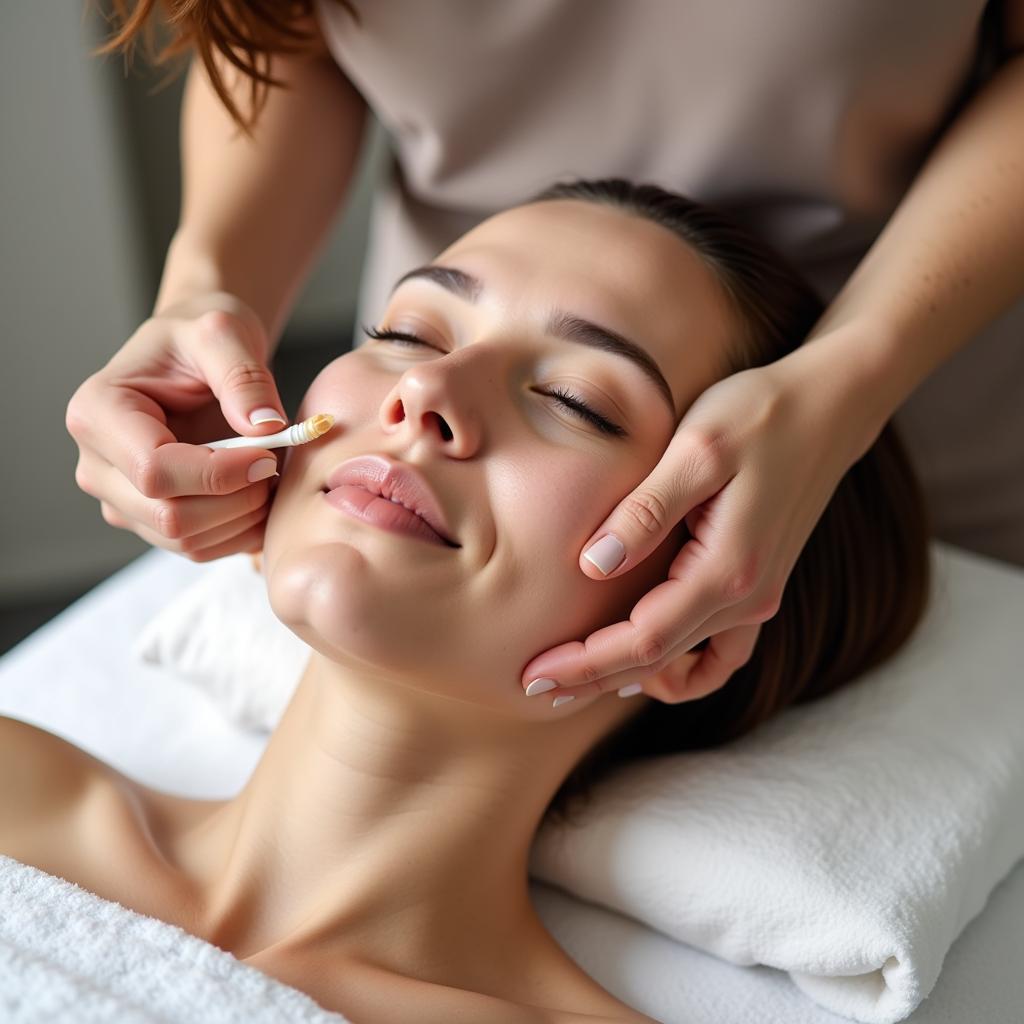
{"x":89,"y":192}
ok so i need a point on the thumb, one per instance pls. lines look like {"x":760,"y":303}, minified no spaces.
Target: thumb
{"x":229,"y":357}
{"x":642,"y":520}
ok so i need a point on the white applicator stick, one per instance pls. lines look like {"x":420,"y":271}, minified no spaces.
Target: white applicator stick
{"x":299,"y":433}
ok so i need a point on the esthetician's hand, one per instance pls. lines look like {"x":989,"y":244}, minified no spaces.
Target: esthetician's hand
{"x":750,"y":469}
{"x":194,"y":373}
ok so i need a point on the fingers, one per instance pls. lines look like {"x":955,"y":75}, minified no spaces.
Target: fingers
{"x":629,"y":678}
{"x":127,"y":430}
{"x":242,"y":534}
{"x":685,"y":675}
{"x":166,"y":520}
{"x":658,"y":623}
{"x":694,"y":603}
{"x":223,"y":357}
{"x":727,"y":651}
{"x":249,"y":542}
{"x":613,"y":649}
{"x":182,"y":497}
{"x":691,"y":470}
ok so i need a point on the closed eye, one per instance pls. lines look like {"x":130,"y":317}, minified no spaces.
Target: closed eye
{"x":566,"y":399}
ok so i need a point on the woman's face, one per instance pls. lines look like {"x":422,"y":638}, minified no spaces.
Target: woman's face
{"x":523,"y":479}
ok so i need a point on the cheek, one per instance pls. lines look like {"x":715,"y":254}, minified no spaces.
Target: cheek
{"x":347,"y":392}
{"x":546,"y":516}
{"x":343,"y":388}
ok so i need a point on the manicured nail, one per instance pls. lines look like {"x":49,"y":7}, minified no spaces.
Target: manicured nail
{"x":631,"y":690}
{"x":606,"y":553}
{"x":541,"y":685}
{"x":561,"y":700}
{"x":266,"y":415}
{"x":261,"y":469}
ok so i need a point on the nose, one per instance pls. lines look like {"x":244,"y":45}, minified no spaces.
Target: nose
{"x":437,"y":403}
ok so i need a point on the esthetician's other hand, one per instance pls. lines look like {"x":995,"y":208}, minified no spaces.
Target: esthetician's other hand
{"x":196,"y":372}
{"x":750,"y":469}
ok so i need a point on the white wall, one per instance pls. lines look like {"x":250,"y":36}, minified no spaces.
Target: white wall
{"x":74,"y":283}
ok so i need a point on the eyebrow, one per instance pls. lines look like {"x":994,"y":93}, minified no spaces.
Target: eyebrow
{"x":560,"y":324}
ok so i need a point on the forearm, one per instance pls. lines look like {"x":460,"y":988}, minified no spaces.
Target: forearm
{"x":255,"y":213}
{"x":951,"y":257}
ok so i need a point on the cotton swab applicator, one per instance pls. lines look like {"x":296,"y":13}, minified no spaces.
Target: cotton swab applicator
{"x":299,"y":433}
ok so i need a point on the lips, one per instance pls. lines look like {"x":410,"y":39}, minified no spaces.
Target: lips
{"x":396,"y":482}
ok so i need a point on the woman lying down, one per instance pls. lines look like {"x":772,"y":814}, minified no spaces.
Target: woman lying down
{"x":377,"y":857}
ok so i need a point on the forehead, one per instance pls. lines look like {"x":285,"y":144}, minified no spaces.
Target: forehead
{"x":617,"y":269}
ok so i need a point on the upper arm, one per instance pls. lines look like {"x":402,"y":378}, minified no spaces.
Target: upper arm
{"x":256,"y":211}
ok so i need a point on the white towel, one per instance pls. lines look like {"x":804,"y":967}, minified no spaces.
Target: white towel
{"x":222,"y":634}
{"x":67,"y":956}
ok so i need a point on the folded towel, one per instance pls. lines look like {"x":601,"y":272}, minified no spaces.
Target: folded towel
{"x":847,"y":842}
{"x":68,"y":956}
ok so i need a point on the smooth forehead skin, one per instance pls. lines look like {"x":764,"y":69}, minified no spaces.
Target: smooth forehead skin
{"x":617,"y":269}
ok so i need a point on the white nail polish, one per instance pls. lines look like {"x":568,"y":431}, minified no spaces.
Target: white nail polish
{"x":563,"y":699}
{"x":631,"y":690}
{"x":541,"y":685}
{"x":264,"y":415}
{"x":606,"y":553}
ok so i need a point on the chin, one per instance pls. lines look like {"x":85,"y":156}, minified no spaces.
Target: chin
{"x":329,"y":596}
{"x":320,"y":594}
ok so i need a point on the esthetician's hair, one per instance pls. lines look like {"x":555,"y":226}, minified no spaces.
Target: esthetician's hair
{"x":243,"y":33}
{"x":860,"y":585}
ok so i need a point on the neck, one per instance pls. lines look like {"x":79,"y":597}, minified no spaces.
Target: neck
{"x":389,"y":821}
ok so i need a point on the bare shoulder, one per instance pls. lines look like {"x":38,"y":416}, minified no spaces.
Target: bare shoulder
{"x":42,"y":777}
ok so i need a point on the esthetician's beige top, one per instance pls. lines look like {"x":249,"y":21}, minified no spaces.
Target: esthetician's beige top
{"x":807,"y":119}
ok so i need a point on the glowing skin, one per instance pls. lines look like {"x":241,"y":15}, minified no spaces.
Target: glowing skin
{"x":522,"y":480}
{"x":392,"y":813}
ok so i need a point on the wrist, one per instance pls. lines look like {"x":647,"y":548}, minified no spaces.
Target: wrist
{"x":851,"y":368}
{"x":189,"y":271}
{"x":193,"y":275}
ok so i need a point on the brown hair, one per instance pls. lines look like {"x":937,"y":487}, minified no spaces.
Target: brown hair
{"x":243,"y":32}
{"x":860,"y":585}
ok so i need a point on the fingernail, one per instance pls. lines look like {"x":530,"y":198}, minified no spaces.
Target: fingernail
{"x":265,"y":415}
{"x":631,"y":690}
{"x":261,"y":469}
{"x":606,"y":553}
{"x":541,"y":685}
{"x":561,"y":700}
